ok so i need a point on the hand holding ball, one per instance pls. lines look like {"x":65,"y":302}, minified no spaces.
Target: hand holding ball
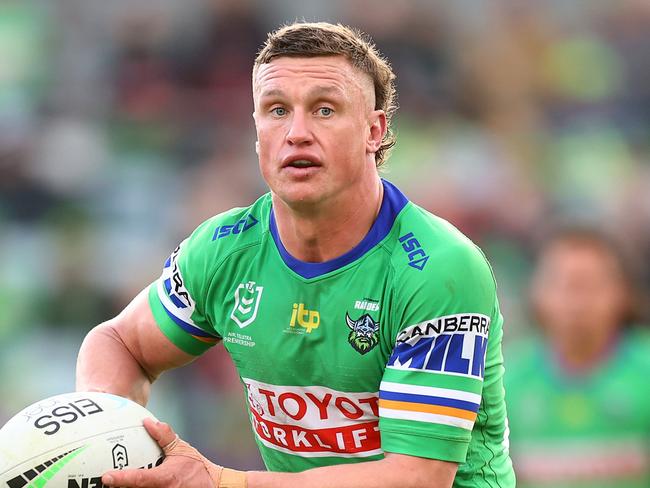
{"x":70,"y":440}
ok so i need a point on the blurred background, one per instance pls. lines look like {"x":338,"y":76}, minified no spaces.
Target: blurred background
{"x":123,"y":125}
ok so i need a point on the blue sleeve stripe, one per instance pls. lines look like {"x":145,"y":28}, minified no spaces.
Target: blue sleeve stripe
{"x":429,"y":400}
{"x":177,"y":302}
{"x":189,"y":328}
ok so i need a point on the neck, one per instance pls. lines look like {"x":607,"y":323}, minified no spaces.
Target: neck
{"x":331,"y":229}
{"x":584,"y":354}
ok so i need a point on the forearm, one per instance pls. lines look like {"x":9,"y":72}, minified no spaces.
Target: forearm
{"x":106,"y":364}
{"x":394,"y":471}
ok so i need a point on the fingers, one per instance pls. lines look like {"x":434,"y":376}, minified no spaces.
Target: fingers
{"x":161,"y":432}
{"x":183,"y":465}
{"x":134,"y":478}
{"x":175,"y":471}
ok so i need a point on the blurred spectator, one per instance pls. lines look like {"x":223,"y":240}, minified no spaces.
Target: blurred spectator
{"x":577,"y":393}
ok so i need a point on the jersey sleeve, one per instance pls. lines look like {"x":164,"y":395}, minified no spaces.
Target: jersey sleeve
{"x":178,"y":298}
{"x":443,"y":316}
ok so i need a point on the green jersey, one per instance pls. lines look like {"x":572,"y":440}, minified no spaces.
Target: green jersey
{"x":394,"y":346}
{"x":581,"y":430}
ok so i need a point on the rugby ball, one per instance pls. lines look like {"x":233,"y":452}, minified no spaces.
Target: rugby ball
{"x":70,"y":440}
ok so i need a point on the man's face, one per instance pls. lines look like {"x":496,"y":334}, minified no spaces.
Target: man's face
{"x":316,"y":127}
{"x":578,"y":291}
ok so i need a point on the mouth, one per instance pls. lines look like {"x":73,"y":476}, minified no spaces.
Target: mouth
{"x":300,"y":163}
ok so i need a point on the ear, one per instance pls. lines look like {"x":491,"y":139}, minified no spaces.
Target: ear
{"x":257,"y":143}
{"x":377,"y":130}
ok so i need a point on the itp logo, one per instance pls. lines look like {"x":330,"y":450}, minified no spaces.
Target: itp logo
{"x":309,"y":319}
{"x":247,"y":302}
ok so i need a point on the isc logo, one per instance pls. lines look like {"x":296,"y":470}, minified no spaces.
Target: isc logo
{"x":241,"y":226}
{"x":417,"y":257}
{"x":309,"y":319}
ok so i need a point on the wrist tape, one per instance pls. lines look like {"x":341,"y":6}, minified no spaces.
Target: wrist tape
{"x":221,"y":477}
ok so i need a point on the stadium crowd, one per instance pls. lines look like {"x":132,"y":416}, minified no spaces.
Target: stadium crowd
{"x":123,"y":126}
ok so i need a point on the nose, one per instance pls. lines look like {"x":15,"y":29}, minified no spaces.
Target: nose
{"x":299,"y":129}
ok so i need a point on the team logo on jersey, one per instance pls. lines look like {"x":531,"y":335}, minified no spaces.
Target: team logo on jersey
{"x":308,"y":319}
{"x":367,"y":304}
{"x":247,"y":302}
{"x":364,"y":333}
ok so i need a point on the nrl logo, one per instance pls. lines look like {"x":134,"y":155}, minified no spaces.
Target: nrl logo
{"x":364,"y":333}
{"x":247,"y":301}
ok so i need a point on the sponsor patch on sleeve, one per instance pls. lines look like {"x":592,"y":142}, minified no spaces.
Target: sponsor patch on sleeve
{"x":177,"y":301}
{"x":453,"y":344}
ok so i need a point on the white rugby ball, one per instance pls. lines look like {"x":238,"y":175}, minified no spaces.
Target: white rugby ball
{"x":70,"y":440}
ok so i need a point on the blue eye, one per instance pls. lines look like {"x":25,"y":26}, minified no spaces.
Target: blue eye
{"x":279,"y":111}
{"x":325,"y":111}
